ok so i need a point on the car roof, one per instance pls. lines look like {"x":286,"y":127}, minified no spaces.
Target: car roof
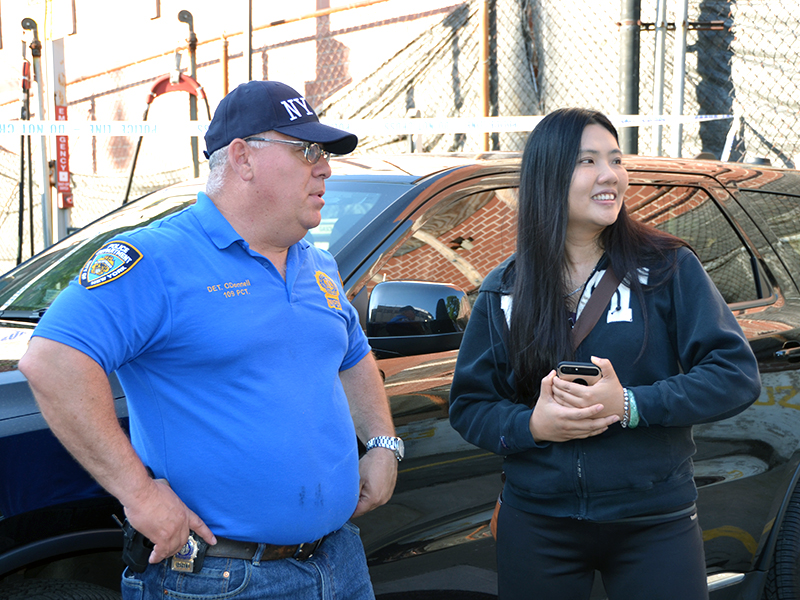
{"x":414,"y":167}
{"x":732,"y":175}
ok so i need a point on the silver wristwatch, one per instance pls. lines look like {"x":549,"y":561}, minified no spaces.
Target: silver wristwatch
{"x":392,"y":443}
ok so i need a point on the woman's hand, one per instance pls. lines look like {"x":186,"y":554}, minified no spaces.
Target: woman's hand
{"x":607,"y":391}
{"x":554,"y":421}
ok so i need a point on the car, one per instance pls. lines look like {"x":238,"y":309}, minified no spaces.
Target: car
{"x":414,"y":236}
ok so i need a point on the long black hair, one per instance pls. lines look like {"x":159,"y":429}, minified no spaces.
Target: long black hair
{"x":540,"y":333}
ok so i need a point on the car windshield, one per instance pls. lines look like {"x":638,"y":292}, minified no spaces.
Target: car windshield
{"x":29,"y":289}
{"x":34,"y":285}
{"x":349,"y":206}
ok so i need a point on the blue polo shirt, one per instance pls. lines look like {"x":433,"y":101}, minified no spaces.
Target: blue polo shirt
{"x":230,"y":371}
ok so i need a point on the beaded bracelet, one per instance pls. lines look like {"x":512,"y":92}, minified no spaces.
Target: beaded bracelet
{"x":634,"y":421}
{"x":626,"y":408}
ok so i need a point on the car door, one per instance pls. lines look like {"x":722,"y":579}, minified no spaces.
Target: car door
{"x":744,"y":465}
{"x":446,"y":487}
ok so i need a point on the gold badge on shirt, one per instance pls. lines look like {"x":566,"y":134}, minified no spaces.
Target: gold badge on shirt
{"x":329,"y":288}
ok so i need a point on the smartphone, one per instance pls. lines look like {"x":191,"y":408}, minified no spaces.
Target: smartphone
{"x":579,"y":372}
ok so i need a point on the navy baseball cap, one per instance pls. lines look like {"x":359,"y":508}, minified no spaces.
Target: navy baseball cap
{"x":258,"y":106}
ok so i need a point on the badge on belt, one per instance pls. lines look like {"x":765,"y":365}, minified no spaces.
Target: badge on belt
{"x":189,"y":559}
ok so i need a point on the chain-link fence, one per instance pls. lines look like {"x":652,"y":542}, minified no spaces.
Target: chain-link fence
{"x":740,"y":60}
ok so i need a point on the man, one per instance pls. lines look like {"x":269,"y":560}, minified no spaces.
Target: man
{"x":245,"y":370}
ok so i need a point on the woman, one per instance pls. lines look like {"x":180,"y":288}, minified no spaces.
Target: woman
{"x":597,"y":477}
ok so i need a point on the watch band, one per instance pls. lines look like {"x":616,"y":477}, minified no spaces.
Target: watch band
{"x":392,"y":443}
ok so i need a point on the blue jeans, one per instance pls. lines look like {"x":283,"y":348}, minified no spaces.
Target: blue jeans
{"x":337,"y":570}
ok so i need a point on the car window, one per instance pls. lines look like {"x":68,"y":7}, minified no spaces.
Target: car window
{"x":691,"y":214}
{"x":782,"y":214}
{"x":459,"y":242}
{"x":34,"y":285}
{"x":349,"y":206}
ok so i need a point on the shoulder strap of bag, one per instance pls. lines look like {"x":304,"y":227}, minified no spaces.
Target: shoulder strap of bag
{"x":594,"y":307}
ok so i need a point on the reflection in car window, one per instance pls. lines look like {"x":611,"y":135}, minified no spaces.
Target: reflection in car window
{"x":782,"y":213}
{"x":349,"y":206}
{"x":34,"y":285}
{"x":459,"y":243}
{"x":692,"y":215}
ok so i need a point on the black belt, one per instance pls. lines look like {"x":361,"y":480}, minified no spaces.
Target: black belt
{"x":225,"y":548}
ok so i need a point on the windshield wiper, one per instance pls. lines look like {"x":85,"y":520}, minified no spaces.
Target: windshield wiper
{"x":27,"y":316}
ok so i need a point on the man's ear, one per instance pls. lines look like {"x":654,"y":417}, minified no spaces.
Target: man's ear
{"x":240,"y":156}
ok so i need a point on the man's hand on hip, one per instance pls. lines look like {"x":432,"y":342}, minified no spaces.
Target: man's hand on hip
{"x":165,"y":520}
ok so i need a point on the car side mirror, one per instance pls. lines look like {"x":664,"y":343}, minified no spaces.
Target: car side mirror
{"x":407,"y":318}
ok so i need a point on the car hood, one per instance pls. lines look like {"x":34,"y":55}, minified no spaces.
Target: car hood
{"x":14,"y":338}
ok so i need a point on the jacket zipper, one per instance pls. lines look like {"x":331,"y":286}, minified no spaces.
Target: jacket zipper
{"x":581,"y":487}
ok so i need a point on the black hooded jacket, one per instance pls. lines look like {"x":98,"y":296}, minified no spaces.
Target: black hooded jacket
{"x":697,"y":367}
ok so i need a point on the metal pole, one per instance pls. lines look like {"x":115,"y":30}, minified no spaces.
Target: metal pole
{"x":729,"y":139}
{"x":58,"y":93}
{"x":658,"y":85}
{"x":21,"y":197}
{"x":30,"y":191}
{"x":36,"y":53}
{"x":135,"y":159}
{"x":186,"y":17}
{"x":679,"y":75}
{"x":249,"y":40}
{"x":24,"y":115}
{"x":224,"y":66}
{"x":630,"y":23}
{"x":485,"y":67}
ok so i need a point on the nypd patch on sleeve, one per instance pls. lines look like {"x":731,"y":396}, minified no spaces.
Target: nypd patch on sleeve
{"x":111,"y":262}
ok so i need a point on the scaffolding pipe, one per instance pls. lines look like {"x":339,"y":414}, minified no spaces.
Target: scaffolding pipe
{"x":679,"y":75}
{"x":630,"y":24}
{"x":313,"y":15}
{"x":658,"y":85}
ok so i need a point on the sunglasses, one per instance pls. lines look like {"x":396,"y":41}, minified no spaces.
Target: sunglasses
{"x":312,"y":151}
